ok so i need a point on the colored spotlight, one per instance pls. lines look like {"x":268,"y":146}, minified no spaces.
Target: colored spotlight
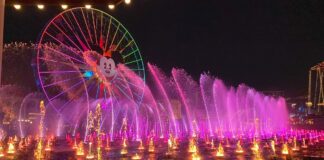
{"x":64,"y":6}
{"x":17,"y":6}
{"x":128,"y":1}
{"x":40,"y":6}
{"x":111,"y":6}
{"x":88,"y":6}
{"x":88,"y":74}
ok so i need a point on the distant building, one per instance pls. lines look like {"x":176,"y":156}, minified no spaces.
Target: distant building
{"x":315,"y":98}
{"x":275,"y":93}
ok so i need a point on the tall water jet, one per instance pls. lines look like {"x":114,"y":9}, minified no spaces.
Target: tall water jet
{"x":206,"y":83}
{"x":157,"y":75}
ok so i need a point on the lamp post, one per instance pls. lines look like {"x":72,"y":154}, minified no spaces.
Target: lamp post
{"x":2,"y":12}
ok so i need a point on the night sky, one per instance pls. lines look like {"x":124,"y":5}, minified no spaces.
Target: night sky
{"x":269,"y":45}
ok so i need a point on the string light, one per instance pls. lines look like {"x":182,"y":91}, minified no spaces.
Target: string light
{"x":127,"y":1}
{"x":40,"y":6}
{"x":111,"y":6}
{"x":64,"y":6}
{"x":88,"y":6}
{"x":17,"y":6}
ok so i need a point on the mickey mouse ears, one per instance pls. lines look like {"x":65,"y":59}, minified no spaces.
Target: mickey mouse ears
{"x":111,"y":53}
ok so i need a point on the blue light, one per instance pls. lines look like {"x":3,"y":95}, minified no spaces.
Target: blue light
{"x":88,"y":74}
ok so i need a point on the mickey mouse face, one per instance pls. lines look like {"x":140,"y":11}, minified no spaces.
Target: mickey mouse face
{"x":107,"y":67}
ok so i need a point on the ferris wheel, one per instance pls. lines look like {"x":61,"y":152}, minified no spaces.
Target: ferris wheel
{"x":86,"y":54}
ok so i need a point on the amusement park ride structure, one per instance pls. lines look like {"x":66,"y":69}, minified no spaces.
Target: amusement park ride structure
{"x":315,"y":87}
{"x":17,"y":4}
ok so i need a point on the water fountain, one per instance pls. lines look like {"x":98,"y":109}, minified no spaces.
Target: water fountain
{"x":239,"y":148}
{"x":220,"y":151}
{"x":151,"y":147}
{"x":255,"y":147}
{"x":80,"y":150}
{"x":192,"y":146}
{"x":273,"y":146}
{"x":11,"y":147}
{"x":141,"y":146}
{"x":1,"y":151}
{"x":48,"y":146}
{"x":123,"y":107}
{"x":295,"y":147}
{"x":304,"y":144}
{"x":285,"y":150}
{"x":90,"y":154}
{"x":107,"y":147}
{"x":38,"y":152}
{"x":75,"y":145}
{"x":212,"y":147}
{"x":124,"y":147}
{"x":136,"y":157}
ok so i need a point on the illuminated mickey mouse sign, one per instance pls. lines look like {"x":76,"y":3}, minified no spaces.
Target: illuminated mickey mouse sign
{"x":104,"y":64}
{"x":107,"y":67}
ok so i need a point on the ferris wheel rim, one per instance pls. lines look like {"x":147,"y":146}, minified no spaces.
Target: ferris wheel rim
{"x":41,"y":39}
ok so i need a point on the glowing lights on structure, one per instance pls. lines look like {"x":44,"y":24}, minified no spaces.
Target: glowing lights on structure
{"x":21,"y":144}
{"x":295,"y":147}
{"x":111,"y":6}
{"x":304,"y":144}
{"x":212,"y":145}
{"x":17,"y":6}
{"x":80,"y":150}
{"x":44,"y":147}
{"x":310,"y":142}
{"x":75,"y":146}
{"x":285,"y":149}
{"x":174,"y":144}
{"x":227,"y":143}
{"x":309,"y":104}
{"x":195,"y":156}
{"x":275,"y":139}
{"x":239,"y":148}
{"x":99,"y":153}
{"x":11,"y":147}
{"x":40,"y":6}
{"x":88,"y":6}
{"x":90,"y":154}
{"x":141,"y":147}
{"x":1,"y":151}
{"x":255,"y":147}
{"x":38,"y":152}
{"x":136,"y":156}
{"x":64,"y":6}
{"x":273,"y":146}
{"x":220,"y":151}
{"x":124,"y":149}
{"x":127,"y":1}
{"x":151,"y":147}
{"x":48,"y":146}
{"x":192,"y":146}
{"x":107,"y":143}
{"x":169,"y":146}
{"x":16,"y":139}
